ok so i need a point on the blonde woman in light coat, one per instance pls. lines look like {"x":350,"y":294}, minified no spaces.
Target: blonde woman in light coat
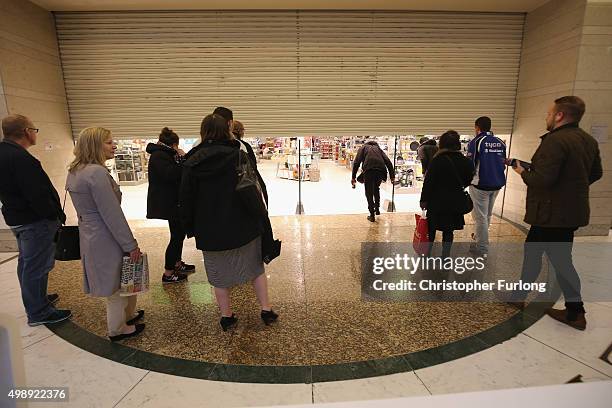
{"x":105,"y":235}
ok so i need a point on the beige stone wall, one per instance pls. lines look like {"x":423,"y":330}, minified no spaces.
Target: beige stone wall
{"x":34,"y":86}
{"x":594,"y":84}
{"x":565,"y":52}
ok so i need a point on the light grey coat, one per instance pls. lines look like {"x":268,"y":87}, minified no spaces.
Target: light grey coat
{"x":104,"y":232}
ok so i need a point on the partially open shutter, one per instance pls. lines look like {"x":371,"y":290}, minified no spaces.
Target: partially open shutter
{"x":290,"y":73}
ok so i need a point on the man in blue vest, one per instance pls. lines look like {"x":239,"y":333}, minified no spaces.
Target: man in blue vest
{"x":488,"y":153}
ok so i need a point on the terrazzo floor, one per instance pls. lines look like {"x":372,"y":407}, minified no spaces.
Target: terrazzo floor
{"x":544,"y":353}
{"x":314,"y":286}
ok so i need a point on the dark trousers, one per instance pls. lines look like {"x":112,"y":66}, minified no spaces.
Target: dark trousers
{"x":447,"y":239}
{"x":371,"y":181}
{"x":36,"y":259}
{"x":557,"y":244}
{"x":174,"y":251}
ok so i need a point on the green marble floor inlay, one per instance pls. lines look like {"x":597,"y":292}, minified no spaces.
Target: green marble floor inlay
{"x":325,"y":331}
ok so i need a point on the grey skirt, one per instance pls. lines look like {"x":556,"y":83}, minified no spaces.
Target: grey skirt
{"x":234,"y":266}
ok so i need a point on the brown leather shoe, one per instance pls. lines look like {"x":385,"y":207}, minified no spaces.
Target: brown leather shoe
{"x":561,"y":315}
{"x":517,"y":305}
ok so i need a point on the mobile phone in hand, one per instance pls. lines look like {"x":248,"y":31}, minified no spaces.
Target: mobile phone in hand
{"x":515,"y":162}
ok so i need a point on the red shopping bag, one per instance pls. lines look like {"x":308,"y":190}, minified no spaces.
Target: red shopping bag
{"x":420,"y":241}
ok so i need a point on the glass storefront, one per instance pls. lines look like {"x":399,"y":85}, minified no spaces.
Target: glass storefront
{"x":312,"y":171}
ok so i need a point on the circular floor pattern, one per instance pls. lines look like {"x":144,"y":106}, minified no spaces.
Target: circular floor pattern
{"x":325,"y":331}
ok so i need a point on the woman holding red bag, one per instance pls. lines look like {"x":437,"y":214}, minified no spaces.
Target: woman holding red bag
{"x":443,"y":194}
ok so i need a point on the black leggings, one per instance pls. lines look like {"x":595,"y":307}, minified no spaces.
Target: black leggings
{"x":174,"y":251}
{"x":447,"y":239}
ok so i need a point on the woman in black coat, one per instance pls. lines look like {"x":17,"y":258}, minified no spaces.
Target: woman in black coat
{"x":229,"y":236}
{"x":165,"y":170}
{"x":443,"y":195}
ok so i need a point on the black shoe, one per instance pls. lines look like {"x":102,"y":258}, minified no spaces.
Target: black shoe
{"x":228,"y":322}
{"x":139,"y":315}
{"x":184,"y":268}
{"x":139,"y":329}
{"x":55,"y":317}
{"x":268,"y":316}
{"x":53,"y":298}
{"x":378,"y":211}
{"x":371,"y":218}
{"x":174,"y":278}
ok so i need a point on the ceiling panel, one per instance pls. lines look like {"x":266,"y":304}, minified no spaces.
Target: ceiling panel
{"x":434,"y":5}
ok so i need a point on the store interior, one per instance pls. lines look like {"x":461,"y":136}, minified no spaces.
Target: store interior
{"x":315,"y":171}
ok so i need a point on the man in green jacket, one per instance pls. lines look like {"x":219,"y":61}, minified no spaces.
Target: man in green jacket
{"x":563,"y":167}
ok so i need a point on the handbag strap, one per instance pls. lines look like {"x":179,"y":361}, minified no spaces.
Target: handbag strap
{"x":241,"y":149}
{"x":456,"y":173}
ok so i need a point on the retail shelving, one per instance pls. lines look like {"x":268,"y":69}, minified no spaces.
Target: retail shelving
{"x":130,"y":165}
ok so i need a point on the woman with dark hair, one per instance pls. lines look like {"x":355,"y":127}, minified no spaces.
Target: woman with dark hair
{"x":443,"y":194}
{"x":226,"y":233}
{"x":165,"y":170}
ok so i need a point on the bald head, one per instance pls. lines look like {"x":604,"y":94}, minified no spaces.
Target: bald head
{"x":14,"y":126}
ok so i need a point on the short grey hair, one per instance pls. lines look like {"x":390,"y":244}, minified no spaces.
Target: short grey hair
{"x":13,"y":126}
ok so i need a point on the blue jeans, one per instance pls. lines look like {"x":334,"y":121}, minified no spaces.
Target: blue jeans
{"x":483,"y":209}
{"x":36,"y":259}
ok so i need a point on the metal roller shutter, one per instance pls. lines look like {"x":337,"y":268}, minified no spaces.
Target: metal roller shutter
{"x":295,"y":73}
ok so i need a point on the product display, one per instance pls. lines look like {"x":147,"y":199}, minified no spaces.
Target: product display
{"x":290,"y":167}
{"x":324,"y":166}
{"x":131,"y":163}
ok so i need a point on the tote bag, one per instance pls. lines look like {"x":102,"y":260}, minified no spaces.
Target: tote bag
{"x":420,"y":240}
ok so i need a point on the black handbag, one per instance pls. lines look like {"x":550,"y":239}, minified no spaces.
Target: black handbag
{"x":248,"y":188}
{"x":270,"y":247}
{"x":466,"y":205}
{"x":67,"y":246}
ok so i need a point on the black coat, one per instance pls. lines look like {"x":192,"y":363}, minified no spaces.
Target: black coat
{"x":26,"y":192}
{"x":442,"y":193}
{"x":164,"y":182}
{"x":210,"y":210}
{"x":371,"y":157}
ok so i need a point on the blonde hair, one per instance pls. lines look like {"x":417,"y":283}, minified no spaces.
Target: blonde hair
{"x":89,"y":148}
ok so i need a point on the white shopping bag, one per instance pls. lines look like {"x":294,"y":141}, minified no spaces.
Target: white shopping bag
{"x":134,"y":276}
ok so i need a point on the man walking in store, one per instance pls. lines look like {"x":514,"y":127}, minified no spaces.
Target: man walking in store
{"x":563,"y":167}
{"x":374,"y":166}
{"x":488,"y":153}
{"x":31,"y":207}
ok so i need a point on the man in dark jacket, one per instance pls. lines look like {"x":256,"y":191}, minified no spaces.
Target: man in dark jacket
{"x":32,"y":208}
{"x":426,"y":151}
{"x":563,"y":167}
{"x":374,"y":166}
